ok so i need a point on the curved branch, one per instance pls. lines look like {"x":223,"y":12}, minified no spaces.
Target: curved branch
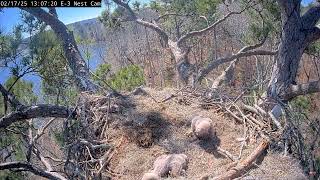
{"x":53,"y":11}
{"x":154,"y":27}
{"x":127,"y":7}
{"x":209,"y":28}
{"x":216,"y":63}
{"x":25,"y":166}
{"x":202,"y":31}
{"x":47,"y":165}
{"x":251,"y":47}
{"x":41,"y":110}
{"x":147,"y":24}
{"x":27,"y":71}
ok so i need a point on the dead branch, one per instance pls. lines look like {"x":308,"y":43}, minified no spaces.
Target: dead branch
{"x":223,"y":76}
{"x":249,"y":108}
{"x":209,"y":28}
{"x":238,"y":119}
{"x":54,"y":159}
{"x":168,"y":98}
{"x":243,"y":165}
{"x":32,"y":140}
{"x":94,"y":146}
{"x":216,"y":63}
{"x":227,"y":154}
{"x":244,"y":52}
{"x":170,"y":14}
{"x":275,"y":120}
{"x":241,"y":149}
{"x":41,"y":131}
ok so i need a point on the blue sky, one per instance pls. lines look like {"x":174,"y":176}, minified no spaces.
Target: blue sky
{"x":306,"y":2}
{"x":11,"y":16}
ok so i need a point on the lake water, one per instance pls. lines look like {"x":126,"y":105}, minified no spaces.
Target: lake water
{"x":97,"y":51}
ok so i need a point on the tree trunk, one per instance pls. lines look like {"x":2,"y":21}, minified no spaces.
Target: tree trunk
{"x":298,"y":32}
{"x":183,"y":66}
{"x":76,"y":63}
{"x":287,"y":63}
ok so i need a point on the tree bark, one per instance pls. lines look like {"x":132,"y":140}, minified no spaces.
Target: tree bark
{"x":29,"y":112}
{"x":291,"y":49}
{"x":302,"y":89}
{"x":298,"y":32}
{"x":183,"y":66}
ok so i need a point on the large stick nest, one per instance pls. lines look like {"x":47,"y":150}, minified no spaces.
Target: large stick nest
{"x":117,"y":132}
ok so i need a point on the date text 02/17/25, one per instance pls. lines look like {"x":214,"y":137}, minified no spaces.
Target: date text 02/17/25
{"x":50,"y":3}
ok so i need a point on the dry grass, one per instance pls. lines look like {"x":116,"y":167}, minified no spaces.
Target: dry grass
{"x":277,"y":167}
{"x":151,"y":129}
